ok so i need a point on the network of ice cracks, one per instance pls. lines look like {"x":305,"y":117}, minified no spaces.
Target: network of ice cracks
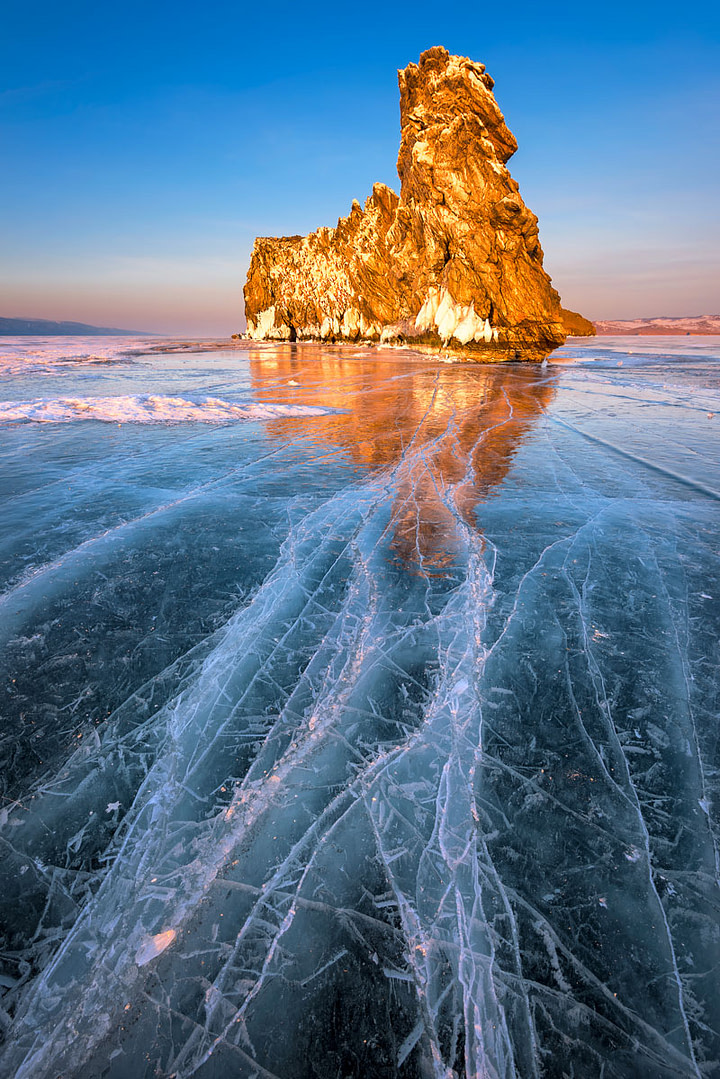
{"x":394,"y":823}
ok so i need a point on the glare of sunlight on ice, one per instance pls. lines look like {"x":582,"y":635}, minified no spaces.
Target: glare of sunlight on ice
{"x":153,"y":946}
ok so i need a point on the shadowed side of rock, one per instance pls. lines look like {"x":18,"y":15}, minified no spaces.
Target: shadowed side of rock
{"x":454,"y":261}
{"x":577,"y":325}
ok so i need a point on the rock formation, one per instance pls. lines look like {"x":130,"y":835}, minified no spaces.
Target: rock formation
{"x":454,"y":261}
{"x":576,"y":325}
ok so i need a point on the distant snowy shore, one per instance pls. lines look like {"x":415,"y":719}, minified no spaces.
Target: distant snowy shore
{"x":694,"y":324}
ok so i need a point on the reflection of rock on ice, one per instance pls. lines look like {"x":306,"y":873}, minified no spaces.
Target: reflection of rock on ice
{"x":451,"y":434}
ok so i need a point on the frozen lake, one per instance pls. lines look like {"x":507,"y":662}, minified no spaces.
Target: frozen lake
{"x":359,"y":712}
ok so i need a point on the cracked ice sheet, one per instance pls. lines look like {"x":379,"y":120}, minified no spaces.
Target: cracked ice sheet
{"x":421,"y":777}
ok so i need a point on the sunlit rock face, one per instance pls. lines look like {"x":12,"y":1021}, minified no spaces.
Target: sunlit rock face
{"x":455,"y":261}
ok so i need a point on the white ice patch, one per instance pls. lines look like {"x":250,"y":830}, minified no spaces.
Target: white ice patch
{"x":147,"y":408}
{"x":34,"y":355}
{"x":351,"y":323}
{"x":426,"y":315}
{"x":467,"y":327}
{"x":446,"y":316}
{"x":451,"y":319}
{"x":260,"y":329}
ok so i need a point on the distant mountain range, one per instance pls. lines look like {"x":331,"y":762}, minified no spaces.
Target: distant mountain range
{"x":692,"y":324}
{"x":13,"y":327}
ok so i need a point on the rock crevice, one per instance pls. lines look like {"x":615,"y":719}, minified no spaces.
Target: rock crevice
{"x":454,"y":261}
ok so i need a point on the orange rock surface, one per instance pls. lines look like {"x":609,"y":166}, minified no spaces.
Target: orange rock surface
{"x":454,"y":261}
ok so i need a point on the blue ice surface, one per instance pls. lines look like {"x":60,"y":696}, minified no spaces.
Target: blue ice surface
{"x":376,"y":742}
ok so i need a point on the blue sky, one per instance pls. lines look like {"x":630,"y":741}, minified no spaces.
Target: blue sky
{"x":146,"y":145}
